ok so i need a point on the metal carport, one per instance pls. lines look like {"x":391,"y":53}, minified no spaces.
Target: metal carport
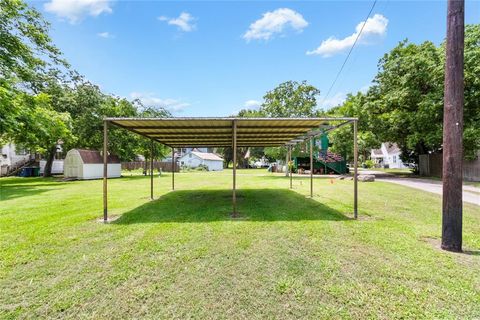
{"x":230,"y":132}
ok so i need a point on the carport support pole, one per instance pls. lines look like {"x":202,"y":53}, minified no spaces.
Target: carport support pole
{"x":151,"y":169}
{"x":173,"y":168}
{"x":290,"y":168}
{"x":311,"y":167}
{"x":286,"y":161}
{"x":234,"y":147}
{"x":355,"y":170}
{"x":105,"y":170}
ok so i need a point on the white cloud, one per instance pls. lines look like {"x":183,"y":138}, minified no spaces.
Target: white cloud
{"x":185,"y":21}
{"x":105,"y":35}
{"x":252,"y":104}
{"x":275,"y":22}
{"x":150,"y":100}
{"x":334,"y":101}
{"x":76,"y":10}
{"x":374,"y":27}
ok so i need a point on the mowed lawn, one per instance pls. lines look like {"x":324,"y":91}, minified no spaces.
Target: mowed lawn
{"x":182,"y":256}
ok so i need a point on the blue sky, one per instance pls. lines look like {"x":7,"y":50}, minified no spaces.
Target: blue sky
{"x":215,"y":58}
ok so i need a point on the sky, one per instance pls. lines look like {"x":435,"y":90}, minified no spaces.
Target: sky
{"x":215,"y":58}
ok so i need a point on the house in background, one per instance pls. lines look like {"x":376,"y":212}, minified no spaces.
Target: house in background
{"x":388,"y":156}
{"x":57,"y":166}
{"x":88,"y":164}
{"x":12,"y":158}
{"x":194,"y":159}
{"x":183,"y":151}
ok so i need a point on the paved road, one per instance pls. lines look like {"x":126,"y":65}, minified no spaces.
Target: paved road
{"x":471,"y":194}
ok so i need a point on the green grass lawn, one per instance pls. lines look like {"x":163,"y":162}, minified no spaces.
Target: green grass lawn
{"x":182,"y":256}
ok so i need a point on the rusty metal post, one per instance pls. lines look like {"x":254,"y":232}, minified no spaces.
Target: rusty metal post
{"x":355,"y":170}
{"x":453,"y":128}
{"x":173,"y":168}
{"x":290,"y":167}
{"x":286,"y":161}
{"x":151,"y":169}
{"x":234,"y":147}
{"x":105,"y":170}
{"x":311,"y":167}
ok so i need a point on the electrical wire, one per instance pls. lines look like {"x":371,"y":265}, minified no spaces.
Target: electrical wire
{"x":349,"y":52}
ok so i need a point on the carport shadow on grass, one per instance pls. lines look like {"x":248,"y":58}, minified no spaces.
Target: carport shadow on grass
{"x":216,"y":205}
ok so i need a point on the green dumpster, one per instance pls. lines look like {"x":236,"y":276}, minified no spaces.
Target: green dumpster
{"x":36,"y":172}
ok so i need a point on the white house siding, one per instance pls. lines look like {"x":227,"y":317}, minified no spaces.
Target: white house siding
{"x":214,"y":165}
{"x":10,"y":159}
{"x":385,"y":158}
{"x":95,"y":171}
{"x":191,"y":160}
{"x":57,"y":166}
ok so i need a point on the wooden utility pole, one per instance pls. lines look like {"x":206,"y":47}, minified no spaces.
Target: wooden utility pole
{"x":453,"y":128}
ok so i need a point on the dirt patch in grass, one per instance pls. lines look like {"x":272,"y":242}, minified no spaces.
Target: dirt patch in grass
{"x":467,"y":256}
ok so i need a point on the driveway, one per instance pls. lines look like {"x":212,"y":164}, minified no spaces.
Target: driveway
{"x":471,"y":194}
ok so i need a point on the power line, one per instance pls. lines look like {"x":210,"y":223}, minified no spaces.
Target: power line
{"x":349,"y":52}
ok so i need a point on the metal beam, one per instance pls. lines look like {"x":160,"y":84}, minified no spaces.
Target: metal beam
{"x":180,"y":119}
{"x":311,"y":167}
{"x":290,"y":167}
{"x":355,"y":171}
{"x":285,"y":127}
{"x":151,"y":169}
{"x":222,"y":139}
{"x":224,"y":134}
{"x":105,"y":170}
{"x":173,"y":169}
{"x":234,"y":147}
{"x":199,"y":145}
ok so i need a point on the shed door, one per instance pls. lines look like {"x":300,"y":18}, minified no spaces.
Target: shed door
{"x":74,"y":171}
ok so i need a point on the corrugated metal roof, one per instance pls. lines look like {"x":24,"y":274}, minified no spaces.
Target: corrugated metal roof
{"x":93,"y":156}
{"x":207,"y":156}
{"x":218,"y":132}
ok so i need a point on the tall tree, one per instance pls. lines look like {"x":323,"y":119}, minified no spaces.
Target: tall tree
{"x":342,"y":138}
{"x":40,"y":127}
{"x":27,"y":54}
{"x":291,"y":99}
{"x":28,"y":63}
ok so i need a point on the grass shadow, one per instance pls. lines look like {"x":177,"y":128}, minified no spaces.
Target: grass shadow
{"x":215,"y":205}
{"x":11,"y":188}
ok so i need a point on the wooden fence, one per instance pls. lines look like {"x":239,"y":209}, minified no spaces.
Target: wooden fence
{"x":431,"y":165}
{"x":164,"y":166}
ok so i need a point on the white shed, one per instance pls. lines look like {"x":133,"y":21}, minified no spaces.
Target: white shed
{"x":88,"y":164}
{"x":193,"y":159}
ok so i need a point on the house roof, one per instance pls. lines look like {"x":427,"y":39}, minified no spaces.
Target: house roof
{"x":377,"y":152}
{"x":392,"y":147}
{"x":218,"y":132}
{"x":93,"y":156}
{"x":207,"y":156}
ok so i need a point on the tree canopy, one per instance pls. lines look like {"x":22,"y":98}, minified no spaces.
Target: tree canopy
{"x":43,"y":102}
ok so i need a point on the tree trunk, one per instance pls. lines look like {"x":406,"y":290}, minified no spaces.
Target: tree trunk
{"x":47,"y":172}
{"x":453,"y":129}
